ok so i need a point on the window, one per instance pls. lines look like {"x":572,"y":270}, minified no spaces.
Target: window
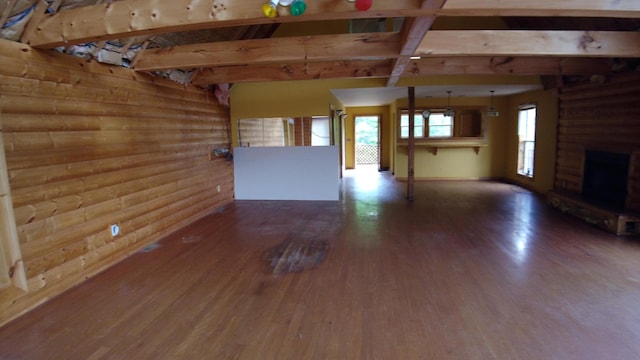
{"x":418,"y":125}
{"x":526,"y":140}
{"x":467,"y":123}
{"x":440,"y":125}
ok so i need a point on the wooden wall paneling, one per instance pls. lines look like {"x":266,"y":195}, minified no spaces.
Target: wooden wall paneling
{"x":12,"y":271}
{"x":100,"y":146}
{"x":601,"y":116}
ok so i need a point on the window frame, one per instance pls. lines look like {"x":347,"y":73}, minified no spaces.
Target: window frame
{"x":416,"y":134}
{"x":528,"y":145}
{"x":450,"y":126}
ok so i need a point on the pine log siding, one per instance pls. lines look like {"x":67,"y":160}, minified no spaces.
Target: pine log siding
{"x":89,"y":145}
{"x":599,"y":117}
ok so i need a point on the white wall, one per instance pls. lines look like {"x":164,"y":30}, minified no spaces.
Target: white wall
{"x":286,"y":173}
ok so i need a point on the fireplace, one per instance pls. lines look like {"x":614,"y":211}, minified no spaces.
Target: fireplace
{"x":604,"y":181}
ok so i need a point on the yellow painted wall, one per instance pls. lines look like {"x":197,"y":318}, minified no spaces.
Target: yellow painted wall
{"x":546,"y":139}
{"x":385,"y":126}
{"x":288,"y":98}
{"x":458,"y":163}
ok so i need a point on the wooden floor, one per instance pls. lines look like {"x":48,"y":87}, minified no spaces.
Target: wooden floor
{"x":469,"y":270}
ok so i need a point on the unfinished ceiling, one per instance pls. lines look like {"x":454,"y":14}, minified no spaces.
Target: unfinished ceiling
{"x":231,"y":41}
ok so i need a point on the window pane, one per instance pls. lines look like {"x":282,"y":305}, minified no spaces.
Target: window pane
{"x":440,"y":119}
{"x":440,"y":131}
{"x":404,"y":132}
{"x":527,"y":136}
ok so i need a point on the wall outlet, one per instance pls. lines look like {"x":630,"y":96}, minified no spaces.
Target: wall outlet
{"x":218,"y":188}
{"x":115,"y":230}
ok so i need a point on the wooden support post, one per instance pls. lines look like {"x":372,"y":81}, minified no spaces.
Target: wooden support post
{"x":412,"y":145}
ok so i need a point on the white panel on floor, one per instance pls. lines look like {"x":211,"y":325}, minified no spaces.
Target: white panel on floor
{"x":286,"y":173}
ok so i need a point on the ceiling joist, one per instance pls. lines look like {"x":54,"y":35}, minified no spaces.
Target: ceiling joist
{"x":369,"y":46}
{"x":294,"y":71}
{"x":530,"y":43}
{"x":375,"y":46}
{"x":413,"y":31}
{"x":506,"y":66}
{"x":128,"y":18}
{"x":416,"y":68}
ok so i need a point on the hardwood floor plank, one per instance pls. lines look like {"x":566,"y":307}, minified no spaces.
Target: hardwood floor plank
{"x":473,"y":270}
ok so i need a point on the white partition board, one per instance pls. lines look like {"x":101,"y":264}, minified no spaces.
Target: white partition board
{"x":286,"y":173}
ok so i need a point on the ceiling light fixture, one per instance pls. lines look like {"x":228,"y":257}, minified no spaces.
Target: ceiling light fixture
{"x":492,"y":110}
{"x":449,"y":111}
{"x":426,"y":113}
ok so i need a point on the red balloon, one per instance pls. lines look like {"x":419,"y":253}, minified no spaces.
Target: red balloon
{"x":363,"y":5}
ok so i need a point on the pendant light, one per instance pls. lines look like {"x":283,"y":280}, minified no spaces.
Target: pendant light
{"x":492,"y":110}
{"x":449,"y":112}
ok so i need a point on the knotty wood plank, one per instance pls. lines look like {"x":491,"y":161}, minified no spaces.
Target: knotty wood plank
{"x":214,"y":297}
{"x":294,"y":71}
{"x":413,"y":31}
{"x":530,"y":43}
{"x":470,"y":65}
{"x":138,"y":17}
{"x":365,"y":46}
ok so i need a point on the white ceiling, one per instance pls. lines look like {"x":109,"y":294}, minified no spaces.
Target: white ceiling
{"x":387,"y":95}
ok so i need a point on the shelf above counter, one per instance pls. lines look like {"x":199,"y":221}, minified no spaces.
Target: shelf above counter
{"x":434,"y":144}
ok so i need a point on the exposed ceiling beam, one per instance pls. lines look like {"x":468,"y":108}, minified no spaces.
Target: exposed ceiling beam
{"x":128,"y":18}
{"x":413,"y":31}
{"x":541,"y":8}
{"x":294,"y":71}
{"x":368,"y":46}
{"x":418,"y":68}
{"x":507,"y":66}
{"x":530,"y":43}
{"x":376,"y":46}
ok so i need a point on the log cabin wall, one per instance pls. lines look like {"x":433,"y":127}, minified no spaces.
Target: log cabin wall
{"x":89,"y":145}
{"x":603,"y":117}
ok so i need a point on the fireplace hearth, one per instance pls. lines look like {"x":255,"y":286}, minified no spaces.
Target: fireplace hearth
{"x":604,"y":180}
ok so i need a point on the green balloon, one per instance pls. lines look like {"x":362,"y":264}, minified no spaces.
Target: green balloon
{"x":298,"y":7}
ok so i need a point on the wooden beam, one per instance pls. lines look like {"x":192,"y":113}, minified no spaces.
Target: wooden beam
{"x":530,"y":43}
{"x":413,"y":31}
{"x":294,"y":71}
{"x":412,"y":145}
{"x":542,"y":8}
{"x":129,"y":18}
{"x":7,"y":11}
{"x":506,"y":66}
{"x":369,"y":46}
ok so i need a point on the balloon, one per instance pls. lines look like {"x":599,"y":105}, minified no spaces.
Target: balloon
{"x":363,"y":5}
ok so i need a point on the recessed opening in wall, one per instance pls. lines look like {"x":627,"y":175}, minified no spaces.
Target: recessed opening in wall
{"x":459,"y":123}
{"x":604,"y":181}
{"x":284,"y":131}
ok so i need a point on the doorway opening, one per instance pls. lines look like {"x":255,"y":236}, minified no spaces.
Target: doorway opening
{"x":367,"y":140}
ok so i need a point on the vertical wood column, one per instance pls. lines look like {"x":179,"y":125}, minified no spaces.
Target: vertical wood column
{"x":412,"y":145}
